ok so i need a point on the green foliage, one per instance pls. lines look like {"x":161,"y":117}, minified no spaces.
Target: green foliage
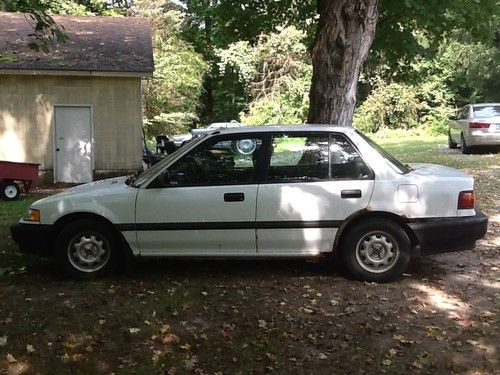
{"x":276,"y":73}
{"x":471,"y":70}
{"x":410,"y":28}
{"x":392,"y":106}
{"x":84,"y":7}
{"x":171,"y":96}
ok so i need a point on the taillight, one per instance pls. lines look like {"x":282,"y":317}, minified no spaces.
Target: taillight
{"x":466,"y":200}
{"x":478,"y":125}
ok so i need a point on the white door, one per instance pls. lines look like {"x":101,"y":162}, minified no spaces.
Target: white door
{"x":73,"y":144}
{"x":314,"y":182}
{"x":204,"y":203}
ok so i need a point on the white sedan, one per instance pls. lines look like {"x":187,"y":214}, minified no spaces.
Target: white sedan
{"x":475,"y":125}
{"x":301,"y":191}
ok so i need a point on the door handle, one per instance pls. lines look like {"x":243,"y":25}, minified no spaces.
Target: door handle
{"x":234,"y":197}
{"x":350,"y":193}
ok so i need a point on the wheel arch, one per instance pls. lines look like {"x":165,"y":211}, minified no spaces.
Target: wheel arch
{"x":66,"y":219}
{"x":361,"y":215}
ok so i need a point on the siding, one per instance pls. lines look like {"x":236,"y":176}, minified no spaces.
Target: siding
{"x":27,"y":118}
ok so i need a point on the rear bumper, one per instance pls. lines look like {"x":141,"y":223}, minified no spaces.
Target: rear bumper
{"x":479,"y":138}
{"x":443,"y":235}
{"x":32,"y":238}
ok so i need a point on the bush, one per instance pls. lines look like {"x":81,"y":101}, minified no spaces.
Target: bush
{"x":391,"y":106}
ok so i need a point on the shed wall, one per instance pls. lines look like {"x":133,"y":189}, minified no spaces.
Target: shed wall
{"x":27,"y":119}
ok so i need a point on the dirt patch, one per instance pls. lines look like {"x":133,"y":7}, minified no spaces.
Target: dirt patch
{"x":258,"y":316}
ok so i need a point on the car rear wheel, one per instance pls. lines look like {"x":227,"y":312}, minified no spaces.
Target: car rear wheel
{"x":86,"y":249}
{"x":376,"y":250}
{"x":10,"y":190}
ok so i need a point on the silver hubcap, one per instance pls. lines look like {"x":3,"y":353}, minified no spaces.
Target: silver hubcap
{"x":88,"y":252}
{"x":10,"y":191}
{"x":377,"y":252}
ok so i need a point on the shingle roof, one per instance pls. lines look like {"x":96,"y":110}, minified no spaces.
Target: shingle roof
{"x":102,"y":44}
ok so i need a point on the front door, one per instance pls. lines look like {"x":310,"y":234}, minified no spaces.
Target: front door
{"x":73,"y":144}
{"x":204,"y":203}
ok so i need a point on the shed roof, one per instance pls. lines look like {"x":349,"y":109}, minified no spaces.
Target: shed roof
{"x":96,"y":44}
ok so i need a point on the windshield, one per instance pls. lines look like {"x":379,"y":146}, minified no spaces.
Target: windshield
{"x":139,"y":179}
{"x":486,"y":111}
{"x":402,"y":168}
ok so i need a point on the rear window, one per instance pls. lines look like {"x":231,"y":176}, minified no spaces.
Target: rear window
{"x":486,"y":111}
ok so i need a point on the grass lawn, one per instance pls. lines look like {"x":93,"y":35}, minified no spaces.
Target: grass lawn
{"x":176,"y":317}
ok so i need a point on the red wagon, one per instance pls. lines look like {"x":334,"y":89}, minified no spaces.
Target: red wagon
{"x":10,"y":172}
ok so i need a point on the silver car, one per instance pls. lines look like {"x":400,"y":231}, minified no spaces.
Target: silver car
{"x":475,"y":125}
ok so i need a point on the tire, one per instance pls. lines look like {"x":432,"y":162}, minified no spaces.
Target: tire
{"x":451,"y":143}
{"x":10,"y":190}
{"x":376,"y":250}
{"x":86,"y":249}
{"x":463,"y":146}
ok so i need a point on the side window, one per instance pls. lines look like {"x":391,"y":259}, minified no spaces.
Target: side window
{"x":345,"y":160}
{"x":299,"y":158}
{"x":215,"y":162}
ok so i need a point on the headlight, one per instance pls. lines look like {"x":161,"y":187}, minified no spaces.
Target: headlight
{"x":32,"y":215}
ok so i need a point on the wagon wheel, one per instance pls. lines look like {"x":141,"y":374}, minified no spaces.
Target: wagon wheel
{"x":9,"y":190}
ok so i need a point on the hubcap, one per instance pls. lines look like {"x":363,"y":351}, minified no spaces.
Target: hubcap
{"x":89,"y":252}
{"x":10,"y":191}
{"x":377,"y":252}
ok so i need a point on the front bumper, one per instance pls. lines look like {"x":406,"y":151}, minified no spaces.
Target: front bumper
{"x":443,"y":235}
{"x":32,"y":238}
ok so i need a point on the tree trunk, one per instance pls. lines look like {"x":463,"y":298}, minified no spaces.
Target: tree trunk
{"x":345,"y":33}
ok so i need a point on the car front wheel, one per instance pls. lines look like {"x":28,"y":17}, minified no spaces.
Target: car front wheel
{"x":376,"y":250}
{"x":86,"y":249}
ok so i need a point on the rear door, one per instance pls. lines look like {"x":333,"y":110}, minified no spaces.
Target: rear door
{"x":313,"y":182}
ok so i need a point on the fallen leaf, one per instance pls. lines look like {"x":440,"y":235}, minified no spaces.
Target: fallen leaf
{"x":322,"y":356}
{"x":30,"y":348}
{"x":386,"y":362}
{"x":3,"y":340}
{"x":134,"y":330}
{"x":10,"y":358}
{"x":189,"y":363}
{"x":170,"y":338}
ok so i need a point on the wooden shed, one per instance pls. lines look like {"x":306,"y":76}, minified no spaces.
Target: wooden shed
{"x":77,"y":110}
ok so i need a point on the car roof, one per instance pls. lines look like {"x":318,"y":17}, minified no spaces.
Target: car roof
{"x":286,"y":128}
{"x":484,"y":104}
